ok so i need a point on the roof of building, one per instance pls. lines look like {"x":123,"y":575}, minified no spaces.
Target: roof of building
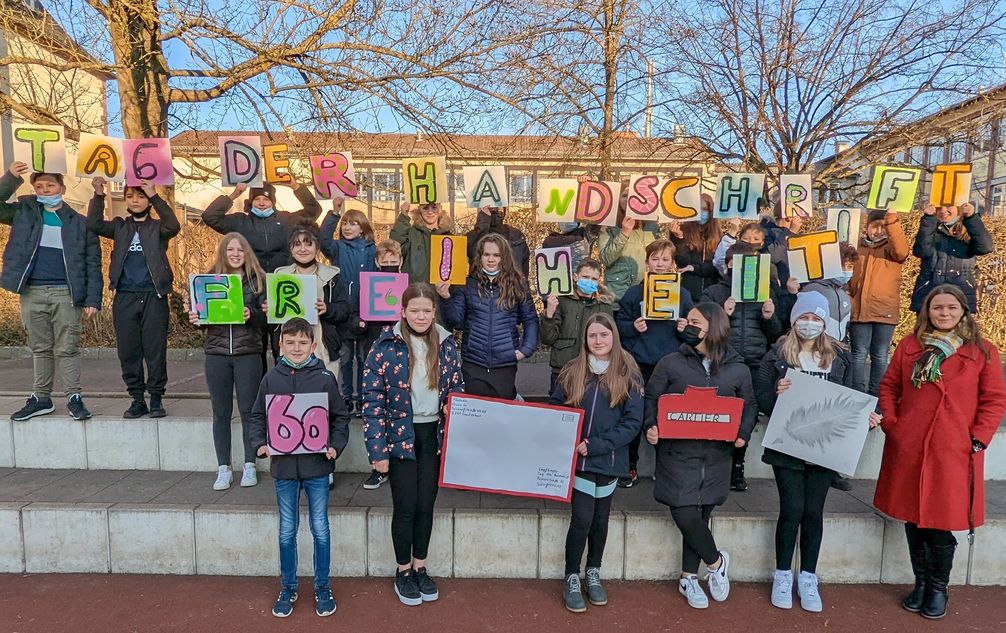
{"x":24,"y":17}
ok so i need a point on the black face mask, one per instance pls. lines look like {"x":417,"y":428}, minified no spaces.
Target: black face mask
{"x":388,"y":269}
{"x":139,"y":214}
{"x":691,"y":335}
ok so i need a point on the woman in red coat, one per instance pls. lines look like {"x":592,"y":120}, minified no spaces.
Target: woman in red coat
{"x":943,"y":398}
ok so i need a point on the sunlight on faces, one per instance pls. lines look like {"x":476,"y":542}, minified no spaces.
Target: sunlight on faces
{"x":304,"y":250}
{"x":876,"y":231}
{"x":389,"y":259}
{"x":947,"y":214}
{"x":235,"y":255}
{"x":351,"y":230}
{"x":490,"y":259}
{"x":136,"y":202}
{"x":586,"y":272}
{"x":430,"y":213}
{"x":261,"y":202}
{"x":660,"y":262}
{"x":47,"y":186}
{"x":599,"y":341}
{"x":296,"y":347}
{"x":945,"y":312}
{"x":419,"y":314}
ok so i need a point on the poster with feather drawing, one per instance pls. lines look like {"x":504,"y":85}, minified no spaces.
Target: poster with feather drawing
{"x":820,"y":422}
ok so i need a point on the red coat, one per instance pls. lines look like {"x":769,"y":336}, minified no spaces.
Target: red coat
{"x":924,"y":475}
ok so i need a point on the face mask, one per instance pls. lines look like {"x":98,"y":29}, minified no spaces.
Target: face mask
{"x":289,"y":363}
{"x":491,"y":273}
{"x":597,"y":365}
{"x":808,"y":330}
{"x":262,"y":213}
{"x":876,"y":242}
{"x":566,"y":227}
{"x":952,"y":222}
{"x":54,"y":200}
{"x":388,"y":269}
{"x":845,"y":277}
{"x":586,"y":286}
{"x":691,"y":335}
{"x":138,"y":214}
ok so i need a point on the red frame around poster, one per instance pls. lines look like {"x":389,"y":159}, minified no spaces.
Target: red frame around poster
{"x":699,"y":400}
{"x":572,"y":465}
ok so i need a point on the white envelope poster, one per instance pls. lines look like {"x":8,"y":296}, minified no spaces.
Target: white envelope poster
{"x":510,"y":448}
{"x":820,"y":422}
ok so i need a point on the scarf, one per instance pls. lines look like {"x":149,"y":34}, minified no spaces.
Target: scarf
{"x":937,"y":347}
{"x":289,"y":363}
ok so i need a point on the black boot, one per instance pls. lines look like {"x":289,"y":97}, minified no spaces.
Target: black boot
{"x":156,"y":408}
{"x":737,"y":480}
{"x":917,"y":552}
{"x":941,"y":561}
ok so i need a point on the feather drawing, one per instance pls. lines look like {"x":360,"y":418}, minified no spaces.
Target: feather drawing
{"x":823,"y":422}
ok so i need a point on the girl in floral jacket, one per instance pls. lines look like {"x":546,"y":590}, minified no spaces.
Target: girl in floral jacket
{"x":410,"y":371}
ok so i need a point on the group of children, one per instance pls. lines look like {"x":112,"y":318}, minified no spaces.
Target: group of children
{"x":606,"y":357}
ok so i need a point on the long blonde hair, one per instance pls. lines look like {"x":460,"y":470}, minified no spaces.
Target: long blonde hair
{"x":422,"y":290}
{"x":251,"y":271}
{"x":825,"y":349}
{"x":621,"y":378}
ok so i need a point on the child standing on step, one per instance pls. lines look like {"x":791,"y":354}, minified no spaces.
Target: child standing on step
{"x":300,"y":372}
{"x":604,"y":381}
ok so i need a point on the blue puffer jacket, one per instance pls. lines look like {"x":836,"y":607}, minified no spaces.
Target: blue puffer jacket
{"x":608,"y":430}
{"x":387,"y":400}
{"x":661,"y":336}
{"x":947,"y":259}
{"x":355,"y":256}
{"x":491,"y":338}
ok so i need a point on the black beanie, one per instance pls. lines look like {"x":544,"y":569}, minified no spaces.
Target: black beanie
{"x":266,"y":190}
{"x":876,"y":216}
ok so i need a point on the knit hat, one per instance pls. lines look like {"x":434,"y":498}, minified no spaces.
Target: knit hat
{"x":266,"y":190}
{"x":812,"y":302}
{"x":876,"y":216}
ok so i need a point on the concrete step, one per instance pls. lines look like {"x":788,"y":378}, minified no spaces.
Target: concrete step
{"x":183,"y":441}
{"x":103,"y":521}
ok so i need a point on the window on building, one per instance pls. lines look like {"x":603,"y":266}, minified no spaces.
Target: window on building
{"x":387,"y":185}
{"x":456,"y":184}
{"x":934,"y":155}
{"x":958,"y":151}
{"x":521,"y":188}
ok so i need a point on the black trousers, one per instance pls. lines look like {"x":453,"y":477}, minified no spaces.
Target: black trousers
{"x":697,"y":542}
{"x":140,"y":320}
{"x":588,"y":525}
{"x":802,"y":494}
{"x":499,"y":382}
{"x":646,"y":371}
{"x":939,"y":538}
{"x":224,"y":376}
{"x":413,"y":493}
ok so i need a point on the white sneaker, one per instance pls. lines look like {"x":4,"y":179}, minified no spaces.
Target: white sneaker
{"x":782,"y":589}
{"x":224,"y":478}
{"x":719,"y":582}
{"x":810,"y":598}
{"x":689,"y":587}
{"x":249,"y":477}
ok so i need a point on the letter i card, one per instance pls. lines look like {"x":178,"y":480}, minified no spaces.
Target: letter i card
{"x":448,"y":259}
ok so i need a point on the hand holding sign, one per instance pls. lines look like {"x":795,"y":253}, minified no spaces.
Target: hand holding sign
{"x":217,"y":299}
{"x":448,"y":259}
{"x":289,"y":296}
{"x":699,"y":414}
{"x":297,"y":423}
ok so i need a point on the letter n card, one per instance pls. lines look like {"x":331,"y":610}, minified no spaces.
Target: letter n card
{"x":699,"y":414}
{"x":448,"y":259}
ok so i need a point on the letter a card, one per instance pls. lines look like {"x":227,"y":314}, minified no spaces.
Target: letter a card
{"x":448,"y":259}
{"x":217,"y":299}
{"x":291,"y":296}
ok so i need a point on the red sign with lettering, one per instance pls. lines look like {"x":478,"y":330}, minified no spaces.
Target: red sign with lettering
{"x":699,"y":414}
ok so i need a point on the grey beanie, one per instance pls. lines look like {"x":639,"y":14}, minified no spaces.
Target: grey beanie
{"x":812,"y":302}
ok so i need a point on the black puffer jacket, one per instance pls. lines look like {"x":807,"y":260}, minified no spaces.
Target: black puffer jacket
{"x":949,"y":260}
{"x":697,"y":472}
{"x":750,"y":334}
{"x":314,"y":378}
{"x":772,"y":369}
{"x":703,"y":273}
{"x":236,"y":340}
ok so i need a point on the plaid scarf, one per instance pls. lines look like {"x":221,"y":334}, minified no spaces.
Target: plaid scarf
{"x":937,"y":347}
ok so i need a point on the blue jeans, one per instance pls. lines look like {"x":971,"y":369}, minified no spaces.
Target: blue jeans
{"x":288,"y":499}
{"x":352,"y":349}
{"x":873,"y":339}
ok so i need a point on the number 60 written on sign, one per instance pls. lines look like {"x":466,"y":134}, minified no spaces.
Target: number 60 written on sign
{"x":297,"y":423}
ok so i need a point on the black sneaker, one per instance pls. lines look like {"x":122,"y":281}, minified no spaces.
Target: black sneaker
{"x":738,"y":482}
{"x":33,"y":406}
{"x":841,"y":483}
{"x":375,"y":480}
{"x":407,"y":589}
{"x":350,"y":411}
{"x":156,"y":408}
{"x":427,"y":588}
{"x":630,"y":481}
{"x":75,"y":405}
{"x":136,"y":410}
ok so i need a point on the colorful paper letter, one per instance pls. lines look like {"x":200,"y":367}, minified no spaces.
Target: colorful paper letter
{"x":951,"y":185}
{"x":796,"y":195}
{"x":291,"y":296}
{"x":381,"y":295}
{"x":486,"y":186}
{"x":297,"y":423}
{"x":555,"y":199}
{"x":554,"y":270}
{"x":737,"y":196}
{"x":597,"y":202}
{"x":334,"y":176}
{"x":217,"y":299}
{"x":661,"y":296}
{"x":681,"y":199}
{"x":41,"y":147}
{"x":699,"y":414}
{"x":148,"y":159}
{"x":643,"y":200}
{"x":751,"y":277}
{"x":100,"y":156}
{"x":846,"y":223}
{"x":814,"y":256}
{"x":893,"y":188}
{"x":426,"y":180}
{"x":273,"y":160}
{"x":240,"y":160}
{"x":448,"y":259}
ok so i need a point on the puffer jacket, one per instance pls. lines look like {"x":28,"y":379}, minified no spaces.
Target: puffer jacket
{"x":839,"y":306}
{"x":661,"y":336}
{"x":269,"y":236}
{"x":949,"y":260}
{"x":314,"y":378}
{"x":332,"y":291}
{"x":414,"y":236}
{"x":81,"y":250}
{"x":236,"y":340}
{"x":750,"y":333}
{"x":608,"y":430}
{"x":697,"y":472}
{"x":773,"y":368}
{"x":491,"y":338}
{"x":875,"y":286}
{"x":624,"y":257}
{"x":353,"y":257}
{"x":387,"y":397}
{"x":563,"y":331}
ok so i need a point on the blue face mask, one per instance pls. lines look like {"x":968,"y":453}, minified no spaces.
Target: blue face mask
{"x":586,"y":286}
{"x":566,"y":227}
{"x":262,"y":213}
{"x":54,"y":200}
{"x":845,"y":277}
{"x":952,"y":222}
{"x":491,"y":273}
